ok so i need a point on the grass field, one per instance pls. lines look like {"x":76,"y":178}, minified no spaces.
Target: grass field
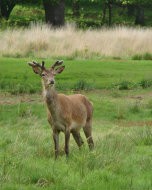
{"x":121,"y":92}
{"x":17,"y":77}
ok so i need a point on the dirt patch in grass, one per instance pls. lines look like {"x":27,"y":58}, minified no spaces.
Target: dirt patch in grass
{"x":7,"y":99}
{"x":134,"y":123}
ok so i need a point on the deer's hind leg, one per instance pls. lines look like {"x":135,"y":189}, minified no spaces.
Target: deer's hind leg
{"x":77,"y":138}
{"x":88,"y":133}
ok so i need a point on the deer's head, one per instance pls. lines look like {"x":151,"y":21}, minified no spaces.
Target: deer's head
{"x":47,"y":75}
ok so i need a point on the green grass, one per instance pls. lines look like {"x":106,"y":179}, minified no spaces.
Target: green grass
{"x":121,"y":158}
{"x":122,"y":129}
{"x":17,"y":77}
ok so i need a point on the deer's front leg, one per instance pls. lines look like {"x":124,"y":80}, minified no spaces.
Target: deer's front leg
{"x":56,"y":143}
{"x":67,"y":139}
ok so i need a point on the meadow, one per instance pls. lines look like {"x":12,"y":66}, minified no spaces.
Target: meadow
{"x":121,"y":91}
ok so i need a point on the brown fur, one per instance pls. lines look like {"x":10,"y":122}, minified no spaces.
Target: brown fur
{"x":72,"y":108}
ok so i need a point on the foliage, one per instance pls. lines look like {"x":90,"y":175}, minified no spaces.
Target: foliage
{"x":91,"y":13}
{"x":6,"y":7}
{"x":30,"y":2}
{"x":136,"y":2}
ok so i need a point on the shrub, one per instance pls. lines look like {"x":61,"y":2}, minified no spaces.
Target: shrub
{"x":146,"y":56}
{"x":82,"y":85}
{"x":124,"y":85}
{"x":137,"y":57}
{"x":145,"y":83}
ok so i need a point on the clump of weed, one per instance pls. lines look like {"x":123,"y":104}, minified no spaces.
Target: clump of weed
{"x":21,"y":88}
{"x":125,"y":85}
{"x":42,"y":182}
{"x":32,"y":90}
{"x":149,"y":104}
{"x":120,"y":114}
{"x":136,"y":107}
{"x":145,"y":56}
{"x":117,"y":58}
{"x":108,"y":154}
{"x":3,"y":84}
{"x":82,"y":85}
{"x":18,"y":89}
{"x":84,"y":53}
{"x":137,"y":57}
{"x":113,"y":148}
{"x":145,"y":83}
{"x":142,"y":136}
{"x":24,"y":111}
{"x":116,"y":94}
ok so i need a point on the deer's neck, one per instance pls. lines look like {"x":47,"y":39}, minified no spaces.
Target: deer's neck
{"x":51,"y":99}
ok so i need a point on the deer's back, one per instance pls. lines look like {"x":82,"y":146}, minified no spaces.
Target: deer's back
{"x":77,"y":107}
{"x":73,"y":111}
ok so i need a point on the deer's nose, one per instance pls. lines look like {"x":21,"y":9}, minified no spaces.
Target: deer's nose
{"x":51,"y":81}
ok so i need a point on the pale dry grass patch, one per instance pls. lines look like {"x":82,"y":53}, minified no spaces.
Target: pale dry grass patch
{"x":43,"y":41}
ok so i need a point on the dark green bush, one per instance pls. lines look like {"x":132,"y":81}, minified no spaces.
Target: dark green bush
{"x":145,"y":83}
{"x":137,"y":57}
{"x":125,"y":85}
{"x":82,"y":85}
{"x":146,"y":56}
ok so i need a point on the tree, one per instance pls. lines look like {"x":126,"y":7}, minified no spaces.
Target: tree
{"x":54,"y":12}
{"x":6,"y":7}
{"x":107,"y":4}
{"x":104,"y":12}
{"x":139,"y":6}
{"x":110,"y":4}
{"x":140,"y":15}
{"x":76,"y":8}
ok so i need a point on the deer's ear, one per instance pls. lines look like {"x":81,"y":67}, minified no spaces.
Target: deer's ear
{"x":59,"y":70}
{"x":35,"y":68}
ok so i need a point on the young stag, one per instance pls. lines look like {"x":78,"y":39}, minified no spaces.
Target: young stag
{"x":65,"y":113}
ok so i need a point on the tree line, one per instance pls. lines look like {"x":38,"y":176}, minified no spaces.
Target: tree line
{"x":55,"y":9}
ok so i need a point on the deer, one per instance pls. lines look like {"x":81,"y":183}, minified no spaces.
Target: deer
{"x":65,"y":113}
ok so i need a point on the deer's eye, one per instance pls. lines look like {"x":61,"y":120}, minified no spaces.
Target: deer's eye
{"x":42,"y":74}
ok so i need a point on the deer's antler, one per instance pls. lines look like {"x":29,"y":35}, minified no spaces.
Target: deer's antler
{"x":57,"y":63}
{"x":37,"y":64}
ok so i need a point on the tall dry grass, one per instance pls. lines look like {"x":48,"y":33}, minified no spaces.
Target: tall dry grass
{"x":42,"y":41}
